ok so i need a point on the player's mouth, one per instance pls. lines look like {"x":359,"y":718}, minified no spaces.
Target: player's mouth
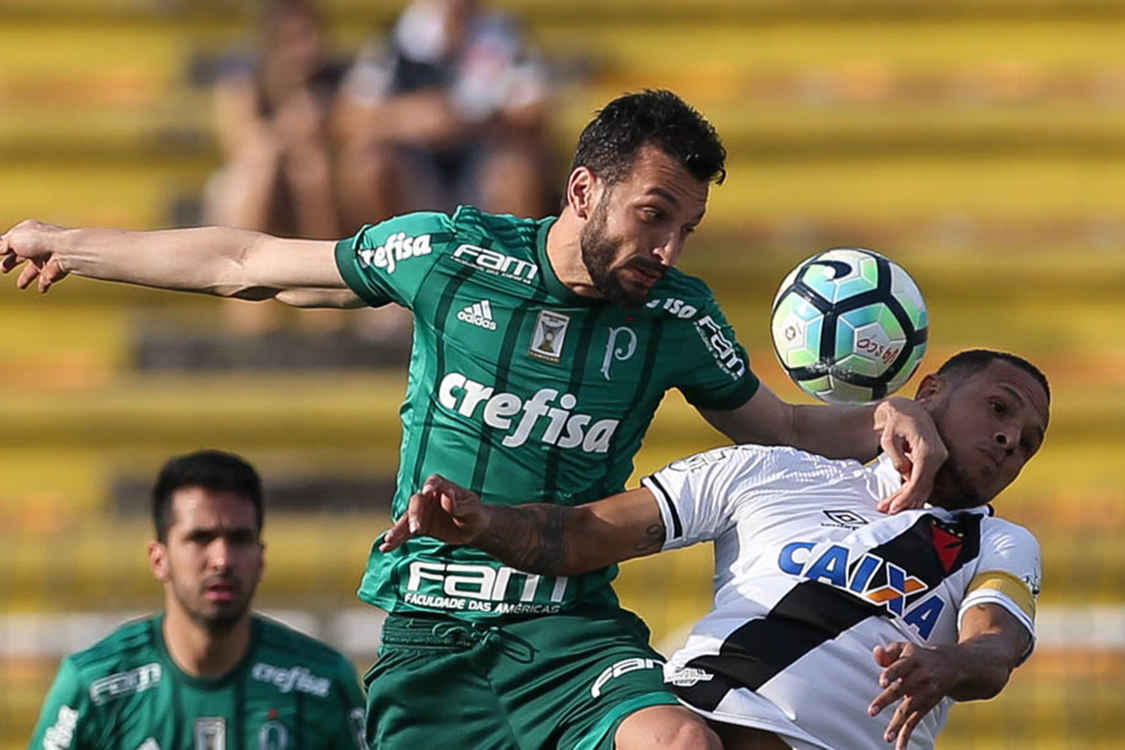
{"x":995,"y":456}
{"x":220,"y":591}
{"x":645,"y":275}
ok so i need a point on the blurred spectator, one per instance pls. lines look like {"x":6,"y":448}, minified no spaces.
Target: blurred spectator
{"x":449,"y":109}
{"x":272,"y":118}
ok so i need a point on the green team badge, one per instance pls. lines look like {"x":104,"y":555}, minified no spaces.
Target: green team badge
{"x":547,"y":339}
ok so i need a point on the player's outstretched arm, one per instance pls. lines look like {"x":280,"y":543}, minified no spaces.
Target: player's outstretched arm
{"x":991,"y":645}
{"x":899,"y":427}
{"x":214,"y":260}
{"x":535,"y":537}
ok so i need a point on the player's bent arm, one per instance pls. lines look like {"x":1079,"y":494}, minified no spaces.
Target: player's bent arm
{"x":535,"y":537}
{"x":899,"y":427}
{"x":992,"y":644}
{"x":222,"y":261}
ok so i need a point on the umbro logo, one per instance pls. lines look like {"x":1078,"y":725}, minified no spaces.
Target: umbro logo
{"x":478,"y":314}
{"x":844,"y":519}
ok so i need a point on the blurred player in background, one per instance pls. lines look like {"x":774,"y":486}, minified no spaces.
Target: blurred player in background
{"x":811,"y":581}
{"x":450,"y":108}
{"x":206,"y":673}
{"x":542,"y":349}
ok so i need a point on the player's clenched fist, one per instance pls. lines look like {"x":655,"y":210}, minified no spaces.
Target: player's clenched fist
{"x":441,"y":510}
{"x":36,"y":243}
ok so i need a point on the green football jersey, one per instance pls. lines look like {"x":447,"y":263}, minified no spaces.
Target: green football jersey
{"x":126,"y":693}
{"x":523,"y":391}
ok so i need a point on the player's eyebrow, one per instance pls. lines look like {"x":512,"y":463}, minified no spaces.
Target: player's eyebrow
{"x":1040,"y":434}
{"x":1013,"y":393}
{"x":669,"y":196}
{"x":664,"y":193}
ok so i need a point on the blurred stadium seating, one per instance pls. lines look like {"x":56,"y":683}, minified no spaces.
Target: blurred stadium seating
{"x":979,"y":142}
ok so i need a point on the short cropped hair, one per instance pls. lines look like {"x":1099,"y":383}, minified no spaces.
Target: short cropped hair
{"x":609,"y":144}
{"x":211,"y":470}
{"x":971,"y":361}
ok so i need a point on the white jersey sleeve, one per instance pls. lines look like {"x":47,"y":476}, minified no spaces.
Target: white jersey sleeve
{"x":1009,"y":574}
{"x":700,"y":496}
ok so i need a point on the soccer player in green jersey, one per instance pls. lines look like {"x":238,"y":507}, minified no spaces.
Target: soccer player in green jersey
{"x":206,"y":674}
{"x":542,"y":348}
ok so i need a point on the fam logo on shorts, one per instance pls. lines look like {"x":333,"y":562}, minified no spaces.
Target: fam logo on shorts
{"x":623,"y":667}
{"x":548,"y":336}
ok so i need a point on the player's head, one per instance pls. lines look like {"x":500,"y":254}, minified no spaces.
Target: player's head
{"x":991,"y":409}
{"x":207,"y":510}
{"x":639,"y":183}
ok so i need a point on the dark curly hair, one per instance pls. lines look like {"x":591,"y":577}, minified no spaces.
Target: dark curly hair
{"x":609,"y":144}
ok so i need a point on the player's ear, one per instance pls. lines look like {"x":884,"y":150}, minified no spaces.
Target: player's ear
{"x":931,"y":386}
{"x":579,"y":192}
{"x":158,"y":561}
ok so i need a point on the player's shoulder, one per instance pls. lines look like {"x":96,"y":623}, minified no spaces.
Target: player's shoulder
{"x":288,"y":647}
{"x":775,"y":462}
{"x":498,"y":231}
{"x":677,"y":284}
{"x":1001,"y":533}
{"x":131,"y":646}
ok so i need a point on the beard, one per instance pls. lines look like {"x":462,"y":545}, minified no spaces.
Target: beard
{"x":215,"y":617}
{"x":954,"y":487}
{"x":599,"y":250}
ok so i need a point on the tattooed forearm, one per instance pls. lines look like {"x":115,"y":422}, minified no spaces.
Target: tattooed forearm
{"x":653,"y":541}
{"x":529,"y":537}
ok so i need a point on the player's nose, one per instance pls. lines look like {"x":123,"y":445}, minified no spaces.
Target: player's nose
{"x":668,"y":252}
{"x":1007,"y":437}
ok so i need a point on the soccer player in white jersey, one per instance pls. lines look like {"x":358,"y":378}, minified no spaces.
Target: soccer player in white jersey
{"x":825,"y":612}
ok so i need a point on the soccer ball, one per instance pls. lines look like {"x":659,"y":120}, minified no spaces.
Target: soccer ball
{"x":849,"y":326}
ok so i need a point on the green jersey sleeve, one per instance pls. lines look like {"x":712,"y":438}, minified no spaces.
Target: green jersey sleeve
{"x":389,"y":262}
{"x":715,"y":369}
{"x":352,"y":726}
{"x":64,"y":721}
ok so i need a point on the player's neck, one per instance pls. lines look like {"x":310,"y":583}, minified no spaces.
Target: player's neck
{"x":564,"y":252}
{"x":200,"y":652}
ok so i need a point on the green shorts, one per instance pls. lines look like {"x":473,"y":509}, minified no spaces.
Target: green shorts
{"x":565,"y":681}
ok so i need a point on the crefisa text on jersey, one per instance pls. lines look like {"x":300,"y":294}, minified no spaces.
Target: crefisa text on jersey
{"x":458,"y":393}
{"x":398,"y":247}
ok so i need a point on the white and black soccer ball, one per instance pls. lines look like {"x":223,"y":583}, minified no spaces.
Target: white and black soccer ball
{"x":849,"y":326}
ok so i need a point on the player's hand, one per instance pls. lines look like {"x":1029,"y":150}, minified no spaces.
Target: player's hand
{"x":920,"y":677}
{"x":441,"y":509}
{"x":32,"y":242}
{"x":910,"y":438}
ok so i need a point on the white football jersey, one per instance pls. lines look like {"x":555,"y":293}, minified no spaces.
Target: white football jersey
{"x":810,"y":577}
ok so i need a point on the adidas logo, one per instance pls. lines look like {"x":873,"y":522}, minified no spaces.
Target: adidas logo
{"x":479,"y":314}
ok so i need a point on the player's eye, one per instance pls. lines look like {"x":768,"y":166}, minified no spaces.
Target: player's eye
{"x":652,"y":214}
{"x":998,"y":407}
